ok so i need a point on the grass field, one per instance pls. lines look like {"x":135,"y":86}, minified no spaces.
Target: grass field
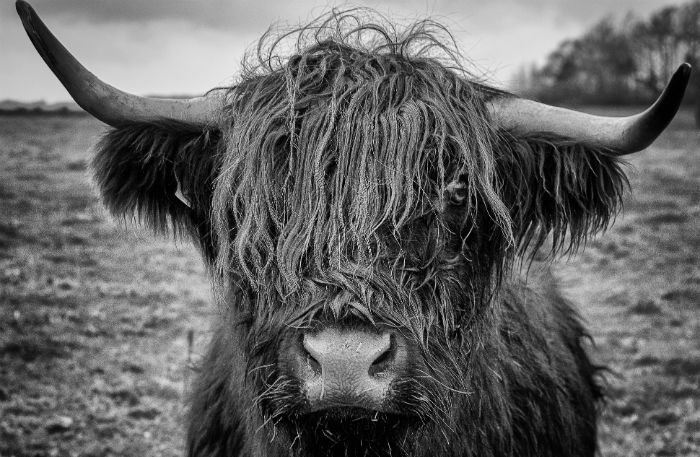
{"x":95,"y":317}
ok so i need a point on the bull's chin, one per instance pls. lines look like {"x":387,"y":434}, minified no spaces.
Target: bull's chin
{"x":353,"y":408}
{"x":353,"y":431}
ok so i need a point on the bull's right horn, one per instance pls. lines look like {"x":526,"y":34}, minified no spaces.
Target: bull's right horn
{"x":109,"y":104}
{"x":621,"y":134}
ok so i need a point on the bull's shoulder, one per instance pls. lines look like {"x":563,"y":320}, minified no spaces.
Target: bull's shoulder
{"x":531,"y":303}
{"x":534,"y":291}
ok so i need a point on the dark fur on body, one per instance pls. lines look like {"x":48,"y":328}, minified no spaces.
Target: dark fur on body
{"x":361,"y":180}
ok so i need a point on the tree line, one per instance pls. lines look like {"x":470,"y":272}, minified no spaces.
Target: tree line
{"x":617,"y":62}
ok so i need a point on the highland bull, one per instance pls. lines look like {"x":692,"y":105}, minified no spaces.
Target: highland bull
{"x":365,"y":209}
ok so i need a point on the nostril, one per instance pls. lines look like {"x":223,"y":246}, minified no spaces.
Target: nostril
{"x":384,"y":361}
{"x":311,"y":362}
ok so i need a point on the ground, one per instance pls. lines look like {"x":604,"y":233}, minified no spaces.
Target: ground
{"x":97,"y":316}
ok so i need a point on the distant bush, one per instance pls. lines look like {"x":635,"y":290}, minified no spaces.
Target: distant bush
{"x":620,"y":62}
{"x":22,"y":111}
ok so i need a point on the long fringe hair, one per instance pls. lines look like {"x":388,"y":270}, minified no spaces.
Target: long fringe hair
{"x":344,"y":147}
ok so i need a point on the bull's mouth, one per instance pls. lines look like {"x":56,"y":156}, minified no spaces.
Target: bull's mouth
{"x":353,"y":413}
{"x":352,"y":407}
{"x":353,"y":431}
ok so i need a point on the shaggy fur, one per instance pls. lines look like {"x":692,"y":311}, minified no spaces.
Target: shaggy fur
{"x":361,"y":179}
{"x":138,"y":168}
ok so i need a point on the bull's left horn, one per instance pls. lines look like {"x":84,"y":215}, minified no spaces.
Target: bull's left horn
{"x":621,"y":134}
{"x":107,"y":103}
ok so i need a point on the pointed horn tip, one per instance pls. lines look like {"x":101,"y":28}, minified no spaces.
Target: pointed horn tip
{"x":36,"y":30}
{"x":24,"y":9}
{"x":30,"y":20}
{"x":675,"y":88}
{"x":683,"y":71}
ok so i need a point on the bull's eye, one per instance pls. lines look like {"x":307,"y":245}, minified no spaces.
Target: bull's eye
{"x":456,"y":331}
{"x":456,"y":193}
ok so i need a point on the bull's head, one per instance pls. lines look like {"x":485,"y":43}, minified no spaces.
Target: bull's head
{"x":360,"y":207}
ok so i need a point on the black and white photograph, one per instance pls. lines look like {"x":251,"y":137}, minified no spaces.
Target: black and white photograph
{"x":417,"y":228}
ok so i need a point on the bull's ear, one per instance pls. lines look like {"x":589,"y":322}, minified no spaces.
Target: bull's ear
{"x":558,"y":187}
{"x":160,"y":173}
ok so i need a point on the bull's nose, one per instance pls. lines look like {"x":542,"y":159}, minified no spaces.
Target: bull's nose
{"x":349,"y":367}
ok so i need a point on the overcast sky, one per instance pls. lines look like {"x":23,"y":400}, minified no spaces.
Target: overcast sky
{"x":189,"y":46}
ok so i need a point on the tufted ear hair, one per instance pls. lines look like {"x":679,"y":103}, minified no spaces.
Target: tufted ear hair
{"x":162,"y":174}
{"x":557,"y":186}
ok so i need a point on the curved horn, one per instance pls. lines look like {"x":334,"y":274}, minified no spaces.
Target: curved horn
{"x":109,"y":104}
{"x":622,"y":134}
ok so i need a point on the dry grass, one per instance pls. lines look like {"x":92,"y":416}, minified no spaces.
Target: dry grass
{"x":94,"y":318}
{"x":639,"y":288}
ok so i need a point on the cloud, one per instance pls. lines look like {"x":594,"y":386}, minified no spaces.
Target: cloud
{"x":187,"y":46}
{"x":243,"y":15}
{"x":591,"y":10}
{"x":253,"y":14}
